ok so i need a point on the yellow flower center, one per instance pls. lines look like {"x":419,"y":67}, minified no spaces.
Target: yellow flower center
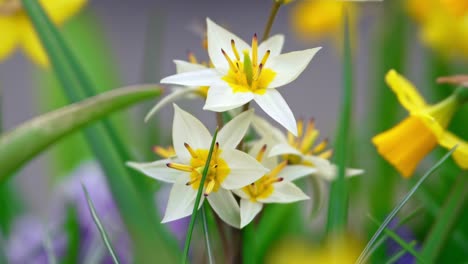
{"x":305,"y":141}
{"x":217,"y":172}
{"x":9,"y":7}
{"x":264,"y":186}
{"x":248,"y":75}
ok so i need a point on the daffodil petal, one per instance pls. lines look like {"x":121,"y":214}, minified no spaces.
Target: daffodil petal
{"x":233,"y":132}
{"x":274,"y":44}
{"x":203,"y":77}
{"x":276,"y":107}
{"x":405,"y":91}
{"x":188,"y":129}
{"x":176,"y":94}
{"x":288,"y":66}
{"x":185,"y":66}
{"x":460,"y":155}
{"x":248,"y":211}
{"x":244,"y":169}
{"x":220,"y":98}
{"x":219,"y":38}
{"x":60,"y":10}
{"x":294,"y":172}
{"x":266,"y":130}
{"x":225,"y":206}
{"x":285,"y":192}
{"x":10,"y":37}
{"x":181,"y":202}
{"x":32,"y":46}
{"x":282,"y":149}
{"x":159,"y":170}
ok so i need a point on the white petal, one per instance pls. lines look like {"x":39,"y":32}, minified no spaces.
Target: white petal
{"x":188,"y":129}
{"x":274,"y":44}
{"x":225,"y":206}
{"x":328,"y":171}
{"x":185,"y":66}
{"x":248,"y":211}
{"x":169,"y":99}
{"x":233,"y":132}
{"x":267,"y":162}
{"x":288,"y":66}
{"x":241,"y":193}
{"x":221,"y":98}
{"x":158,"y":170}
{"x":285,"y":192}
{"x":276,"y":107}
{"x":219,"y":38}
{"x":181,"y":202}
{"x":203,"y":77}
{"x":294,"y":172}
{"x":266,"y":130}
{"x":283,"y":149}
{"x":243,"y":169}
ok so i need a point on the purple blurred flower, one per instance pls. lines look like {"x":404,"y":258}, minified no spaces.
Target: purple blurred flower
{"x":405,"y":233}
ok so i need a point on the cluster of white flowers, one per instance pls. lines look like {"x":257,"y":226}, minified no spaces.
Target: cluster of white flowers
{"x":264,"y":173}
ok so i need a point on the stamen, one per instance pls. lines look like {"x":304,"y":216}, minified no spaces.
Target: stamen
{"x":308,"y":140}
{"x":231,"y":64}
{"x":327,"y":154}
{"x":261,"y":153}
{"x":321,"y":146}
{"x":181,"y":167}
{"x":254,"y":50}
{"x":165,"y":153}
{"x":234,"y":49}
{"x":265,"y":57}
{"x":274,"y":172}
{"x":300,"y":128}
{"x":192,"y":181}
{"x":190,"y":149}
{"x":258,"y":72}
{"x":209,"y":187}
{"x":215,"y":150}
{"x":291,"y":139}
{"x":192,"y":58}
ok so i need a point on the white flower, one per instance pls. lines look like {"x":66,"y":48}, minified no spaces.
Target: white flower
{"x":242,"y":73}
{"x":273,"y":187}
{"x":229,"y":168}
{"x":301,"y":150}
{"x":179,"y":92}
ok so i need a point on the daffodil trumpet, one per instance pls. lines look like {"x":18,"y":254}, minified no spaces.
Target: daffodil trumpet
{"x":406,"y":144}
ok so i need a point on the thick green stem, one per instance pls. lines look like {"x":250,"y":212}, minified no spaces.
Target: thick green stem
{"x":274,"y":10}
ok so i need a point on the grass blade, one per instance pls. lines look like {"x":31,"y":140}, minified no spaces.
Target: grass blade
{"x":207,"y":235}
{"x":446,"y":219}
{"x":338,"y":206}
{"x":42,"y":131}
{"x":197,"y":200}
{"x":102,"y":230}
{"x":400,"y":205}
{"x":399,"y":254}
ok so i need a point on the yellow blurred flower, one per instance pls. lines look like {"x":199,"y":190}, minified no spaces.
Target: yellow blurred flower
{"x":406,"y":144}
{"x":316,"y":19}
{"x":17,"y":31}
{"x":443,"y":24}
{"x":335,"y":251}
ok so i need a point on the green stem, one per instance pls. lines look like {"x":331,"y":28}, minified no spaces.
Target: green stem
{"x":248,"y":244}
{"x":197,"y":200}
{"x":274,"y":10}
{"x":338,"y":206}
{"x":207,"y":234}
{"x":462,"y":94}
{"x":446,"y":219}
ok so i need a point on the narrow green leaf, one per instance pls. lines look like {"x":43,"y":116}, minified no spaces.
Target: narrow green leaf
{"x":206,"y":232}
{"x":102,"y":230}
{"x":400,"y":205}
{"x":249,"y":247}
{"x":27,"y":140}
{"x":338,"y":205}
{"x":399,"y":254}
{"x":446,"y":219}
{"x":73,"y":234}
{"x":399,"y":240}
{"x":197,"y":200}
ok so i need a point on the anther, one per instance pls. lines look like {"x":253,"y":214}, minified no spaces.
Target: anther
{"x":231,"y":64}
{"x":277,"y":169}
{"x":190,"y":149}
{"x":254,"y":50}
{"x":258,"y":72}
{"x":261,"y":153}
{"x":181,"y":167}
{"x":192,"y":58}
{"x":209,"y":187}
{"x":234,"y":49}
{"x":265,"y":57}
{"x":320,"y":147}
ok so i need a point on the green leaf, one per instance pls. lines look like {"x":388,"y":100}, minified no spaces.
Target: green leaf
{"x":446,"y":219}
{"x":72,"y":229}
{"x":399,"y":254}
{"x":400,"y":205}
{"x":197,"y":200}
{"x":249,"y":247}
{"x":207,"y":234}
{"x":338,"y":205}
{"x":31,"y":138}
{"x":99,"y":225}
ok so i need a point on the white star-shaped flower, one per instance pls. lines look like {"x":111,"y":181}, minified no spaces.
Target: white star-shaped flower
{"x":229,"y":168}
{"x":243,"y":73}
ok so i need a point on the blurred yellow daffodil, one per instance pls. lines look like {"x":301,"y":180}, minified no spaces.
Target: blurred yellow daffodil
{"x":443,"y":24}
{"x":406,"y":144}
{"x":17,"y":31}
